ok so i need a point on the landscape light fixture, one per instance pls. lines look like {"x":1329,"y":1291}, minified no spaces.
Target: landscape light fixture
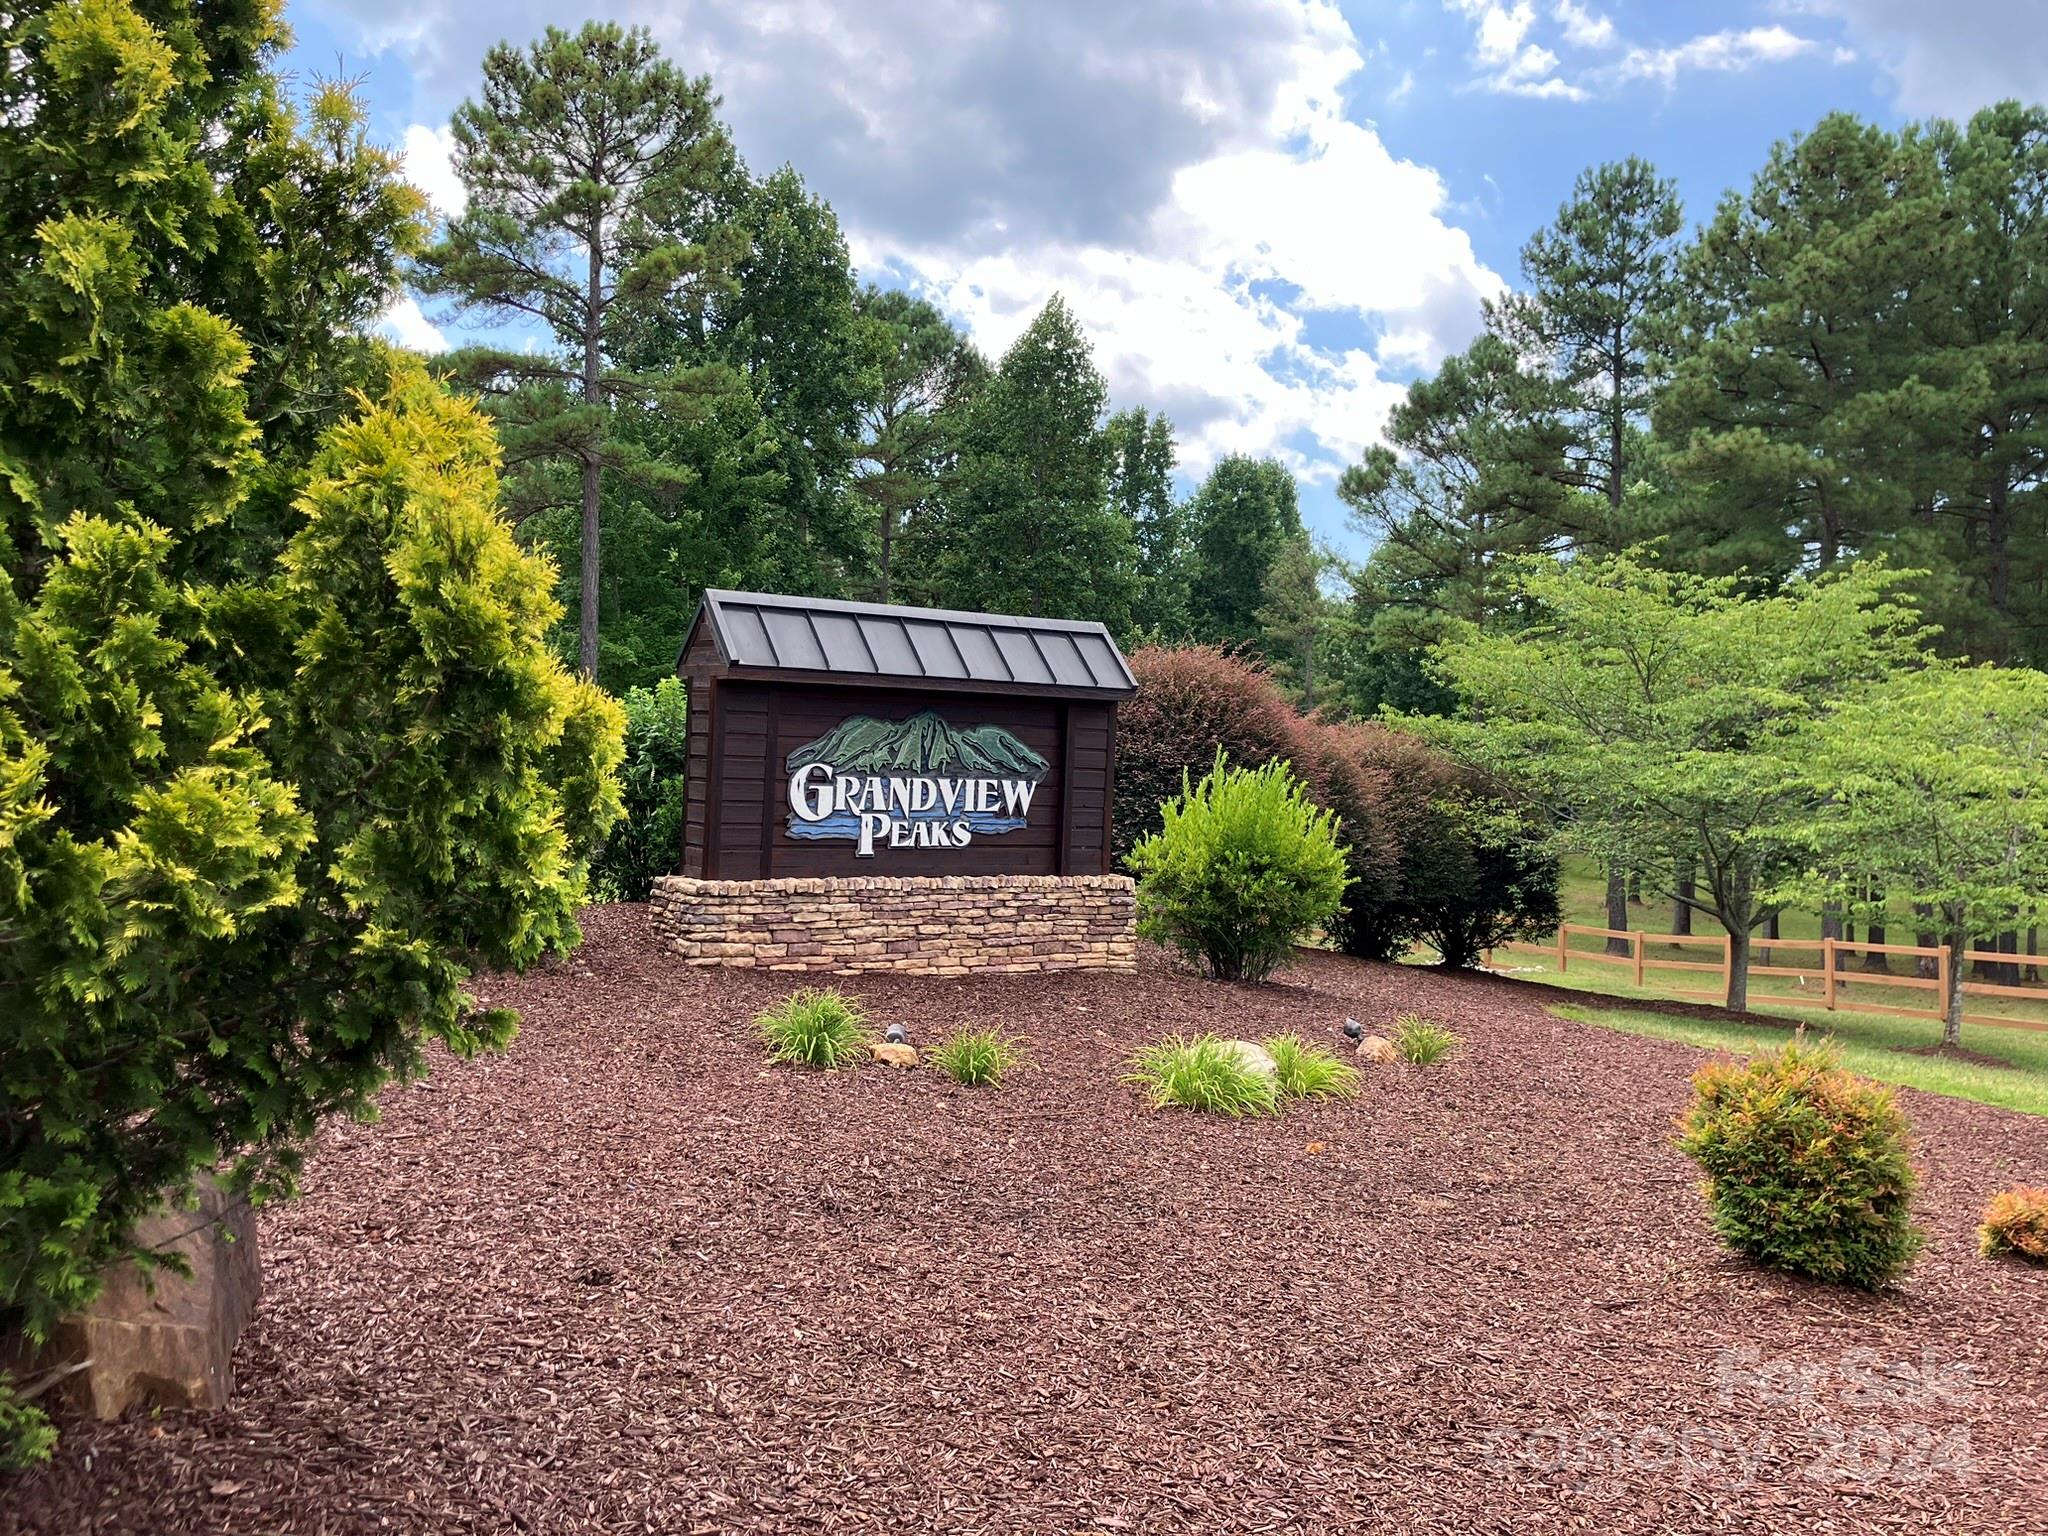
{"x":1353,"y":1030}
{"x":896,"y":1034}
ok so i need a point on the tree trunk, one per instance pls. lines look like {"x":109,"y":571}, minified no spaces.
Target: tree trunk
{"x":1770,"y":932}
{"x":1831,"y":923}
{"x":888,"y":532}
{"x":592,"y":377}
{"x":1681,"y":907}
{"x":1738,"y":967}
{"x":1952,"y":1005}
{"x":1876,"y":959}
{"x":2000,"y":973}
{"x":2033,"y":972}
{"x":1926,"y":938}
{"x":1617,"y":909}
{"x":1308,"y":677}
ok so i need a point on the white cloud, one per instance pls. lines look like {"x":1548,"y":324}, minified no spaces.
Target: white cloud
{"x":1211,"y":315}
{"x":405,"y":324}
{"x":430,"y":166}
{"x":1716,"y":51}
{"x":1949,"y":60}
{"x":1512,"y":61}
{"x":1584,"y":28}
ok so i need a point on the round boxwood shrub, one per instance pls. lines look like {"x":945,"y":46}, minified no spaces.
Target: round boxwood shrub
{"x":1243,"y":867}
{"x":1809,"y":1168}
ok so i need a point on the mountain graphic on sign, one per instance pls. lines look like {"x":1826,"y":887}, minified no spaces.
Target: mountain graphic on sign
{"x":923,"y":744}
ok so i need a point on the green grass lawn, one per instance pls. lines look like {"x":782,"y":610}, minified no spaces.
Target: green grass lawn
{"x":1871,"y":1044}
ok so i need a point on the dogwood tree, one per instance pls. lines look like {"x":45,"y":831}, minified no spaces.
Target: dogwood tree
{"x":1662,"y":716}
{"x":1933,"y":786}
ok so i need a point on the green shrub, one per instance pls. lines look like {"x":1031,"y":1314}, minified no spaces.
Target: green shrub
{"x":1304,"y":1070}
{"x":977,"y":1057}
{"x":26,"y":1434}
{"x":649,"y":841}
{"x":1808,"y":1167}
{"x":817,"y":1027}
{"x":1243,"y":869}
{"x":2016,"y":1225}
{"x":1422,"y":1041}
{"x":1202,"y":1072}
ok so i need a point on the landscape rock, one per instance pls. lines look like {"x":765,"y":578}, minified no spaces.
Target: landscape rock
{"x":1252,"y":1057}
{"x":1379,"y":1050}
{"x":158,"y":1338}
{"x":894,"y":1054}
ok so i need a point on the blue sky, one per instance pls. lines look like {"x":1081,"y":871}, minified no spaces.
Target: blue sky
{"x":1269,"y":214}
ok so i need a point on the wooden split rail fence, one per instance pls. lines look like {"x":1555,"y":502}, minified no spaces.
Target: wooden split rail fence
{"x":1832,"y":979}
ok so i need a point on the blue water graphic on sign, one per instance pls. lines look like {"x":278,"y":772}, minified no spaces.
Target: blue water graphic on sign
{"x":847,"y":823}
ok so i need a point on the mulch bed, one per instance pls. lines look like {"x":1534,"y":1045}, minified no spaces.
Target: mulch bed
{"x":626,"y":1279}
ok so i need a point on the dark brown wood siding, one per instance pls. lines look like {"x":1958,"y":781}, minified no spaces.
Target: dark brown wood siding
{"x":755,"y":726}
{"x":699,"y":670}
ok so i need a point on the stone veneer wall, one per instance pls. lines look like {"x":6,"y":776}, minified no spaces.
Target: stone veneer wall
{"x":940,"y":925}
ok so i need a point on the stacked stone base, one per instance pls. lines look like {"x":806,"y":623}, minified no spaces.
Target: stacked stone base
{"x":950,"y":925}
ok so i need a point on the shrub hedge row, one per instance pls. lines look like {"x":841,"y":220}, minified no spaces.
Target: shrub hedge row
{"x":1436,"y":855}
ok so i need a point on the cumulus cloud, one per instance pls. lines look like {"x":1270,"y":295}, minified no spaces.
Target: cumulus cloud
{"x":1949,"y":60}
{"x":1512,"y":61}
{"x":1210,"y":311}
{"x":1729,"y":50}
{"x":429,"y":165}
{"x":1242,"y":254}
{"x":406,"y":324}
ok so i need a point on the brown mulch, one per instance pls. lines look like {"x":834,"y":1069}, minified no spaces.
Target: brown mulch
{"x":626,"y":1279}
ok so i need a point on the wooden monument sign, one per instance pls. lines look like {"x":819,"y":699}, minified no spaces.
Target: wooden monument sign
{"x":863,"y":739}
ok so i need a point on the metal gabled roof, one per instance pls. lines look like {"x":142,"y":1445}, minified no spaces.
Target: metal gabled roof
{"x":885,"y":642}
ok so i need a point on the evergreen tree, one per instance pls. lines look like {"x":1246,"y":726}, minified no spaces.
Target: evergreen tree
{"x":1796,"y":400}
{"x":265,"y":810}
{"x":920,"y":376}
{"x":1597,"y":276}
{"x":1240,"y":519}
{"x":1297,"y":618}
{"x":590,"y":166}
{"x":1141,"y":461}
{"x":1989,"y":354}
{"x":1029,"y":527}
{"x":1472,"y":475}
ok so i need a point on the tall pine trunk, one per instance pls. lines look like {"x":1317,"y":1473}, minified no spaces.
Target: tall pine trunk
{"x":586,"y":646}
{"x":1681,"y":906}
{"x":1876,"y":959}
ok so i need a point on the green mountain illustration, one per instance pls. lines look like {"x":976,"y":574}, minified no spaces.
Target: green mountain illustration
{"x":922,"y":744}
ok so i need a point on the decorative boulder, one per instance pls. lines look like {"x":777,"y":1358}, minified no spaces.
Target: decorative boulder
{"x":1253,"y":1058}
{"x":1379,"y":1050}
{"x":893,"y":1053}
{"x":157,"y":1337}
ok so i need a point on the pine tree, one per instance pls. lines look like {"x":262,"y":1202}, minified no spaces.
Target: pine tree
{"x":1796,"y":399}
{"x":920,"y":376}
{"x":1597,"y":277}
{"x":589,"y":164}
{"x":1142,"y":456}
{"x":1240,"y":520}
{"x":1028,"y":526}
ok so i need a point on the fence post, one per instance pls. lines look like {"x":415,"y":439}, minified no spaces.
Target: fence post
{"x":1638,"y":937}
{"x":1563,"y":930}
{"x":1827,"y":972}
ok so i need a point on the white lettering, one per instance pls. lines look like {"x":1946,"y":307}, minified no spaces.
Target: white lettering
{"x":1017,"y":796}
{"x":809,"y":795}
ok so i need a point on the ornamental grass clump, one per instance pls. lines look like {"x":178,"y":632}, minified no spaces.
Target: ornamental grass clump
{"x":1809,"y":1168}
{"x":1203,"y":1072}
{"x":1244,"y":868}
{"x":817,"y":1027}
{"x":2016,"y":1225}
{"x":977,"y":1058}
{"x":1305,"y":1070}
{"x":1421,"y":1041}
